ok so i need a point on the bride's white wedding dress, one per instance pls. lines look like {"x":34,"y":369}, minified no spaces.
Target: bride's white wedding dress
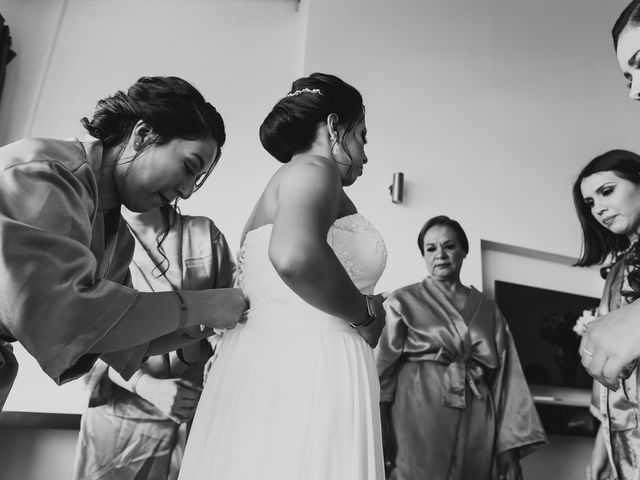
{"x":293,"y":393}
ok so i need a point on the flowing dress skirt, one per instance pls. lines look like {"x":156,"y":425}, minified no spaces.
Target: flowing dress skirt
{"x":292,"y":395}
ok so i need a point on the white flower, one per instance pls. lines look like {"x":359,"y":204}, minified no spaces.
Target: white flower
{"x":584,"y":320}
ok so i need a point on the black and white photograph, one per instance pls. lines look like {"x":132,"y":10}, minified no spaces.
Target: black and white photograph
{"x":319,"y":240}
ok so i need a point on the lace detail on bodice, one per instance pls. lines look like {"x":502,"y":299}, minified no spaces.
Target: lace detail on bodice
{"x":355,"y":241}
{"x":342,"y":244}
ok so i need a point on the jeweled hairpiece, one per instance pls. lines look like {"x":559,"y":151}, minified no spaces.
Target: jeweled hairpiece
{"x":305,"y":90}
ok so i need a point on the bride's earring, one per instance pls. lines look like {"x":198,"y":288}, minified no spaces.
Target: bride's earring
{"x":333,"y":137}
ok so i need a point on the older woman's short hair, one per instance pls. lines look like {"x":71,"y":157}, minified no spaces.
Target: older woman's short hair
{"x":447,"y":222}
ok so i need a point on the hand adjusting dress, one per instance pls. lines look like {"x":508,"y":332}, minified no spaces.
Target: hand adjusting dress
{"x":294,"y":391}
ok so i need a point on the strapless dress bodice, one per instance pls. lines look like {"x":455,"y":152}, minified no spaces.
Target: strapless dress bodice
{"x":355,"y":241}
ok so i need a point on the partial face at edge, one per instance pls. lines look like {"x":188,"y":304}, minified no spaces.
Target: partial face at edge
{"x":614,"y":202}
{"x":349,"y":154}
{"x":443,"y":253}
{"x":628,"y":54}
{"x":163,"y":172}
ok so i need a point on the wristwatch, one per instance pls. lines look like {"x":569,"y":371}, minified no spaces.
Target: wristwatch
{"x":371,"y":313}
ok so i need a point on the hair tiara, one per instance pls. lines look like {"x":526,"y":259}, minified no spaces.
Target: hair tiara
{"x":305,"y":90}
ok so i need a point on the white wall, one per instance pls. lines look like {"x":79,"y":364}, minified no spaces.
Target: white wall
{"x":489,"y":107}
{"x":537,"y":269}
{"x":242,"y":54}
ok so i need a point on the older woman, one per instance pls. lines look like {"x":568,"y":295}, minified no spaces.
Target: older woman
{"x":454,"y":401}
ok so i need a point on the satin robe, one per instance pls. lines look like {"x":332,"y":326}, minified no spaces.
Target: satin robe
{"x":619,"y":410}
{"x":458,"y":394}
{"x":123,"y":436}
{"x":64,"y":262}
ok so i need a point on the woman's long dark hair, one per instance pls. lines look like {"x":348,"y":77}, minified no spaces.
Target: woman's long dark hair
{"x":630,"y":16}
{"x":598,"y":242}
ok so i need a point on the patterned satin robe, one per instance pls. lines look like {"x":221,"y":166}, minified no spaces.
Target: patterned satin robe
{"x":619,"y":410}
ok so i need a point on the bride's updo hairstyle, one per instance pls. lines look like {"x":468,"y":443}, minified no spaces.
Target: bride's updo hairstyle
{"x":291,"y":126}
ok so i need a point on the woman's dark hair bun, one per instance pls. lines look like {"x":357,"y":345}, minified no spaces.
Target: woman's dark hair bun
{"x":171,"y":106}
{"x":291,"y":125}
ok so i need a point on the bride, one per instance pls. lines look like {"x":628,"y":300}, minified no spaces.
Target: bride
{"x":293,"y":393}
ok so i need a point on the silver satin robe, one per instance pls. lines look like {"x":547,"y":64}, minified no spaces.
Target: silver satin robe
{"x":122,"y":436}
{"x":458,"y":394}
{"x":64,"y":264}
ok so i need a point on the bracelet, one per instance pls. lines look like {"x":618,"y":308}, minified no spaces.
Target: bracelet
{"x":183,"y":309}
{"x":366,"y":323}
{"x":371,"y":314}
{"x":135,"y":378}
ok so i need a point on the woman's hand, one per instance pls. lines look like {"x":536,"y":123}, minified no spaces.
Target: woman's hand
{"x":174,"y":397}
{"x":509,"y":465}
{"x":611,"y":343}
{"x":220,"y":308}
{"x":371,"y":333}
{"x":598,"y":466}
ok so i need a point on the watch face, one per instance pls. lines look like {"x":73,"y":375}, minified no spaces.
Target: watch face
{"x":371,"y":307}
